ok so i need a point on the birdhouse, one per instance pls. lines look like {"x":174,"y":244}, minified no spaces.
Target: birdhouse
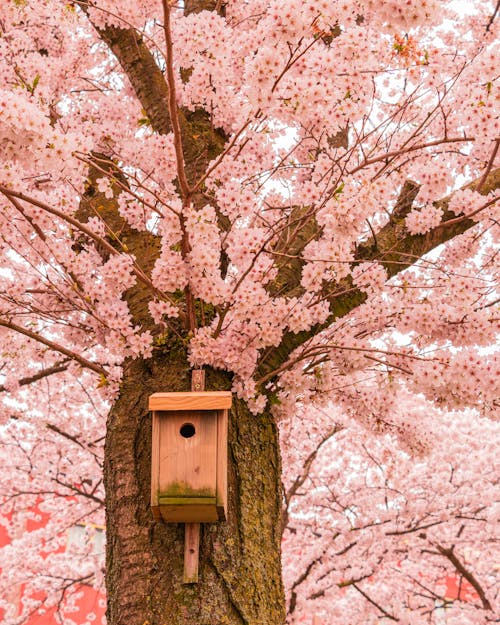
{"x":189,"y":456}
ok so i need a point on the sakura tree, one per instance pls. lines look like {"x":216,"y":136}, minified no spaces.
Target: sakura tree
{"x":371,"y":536}
{"x":299,"y":197}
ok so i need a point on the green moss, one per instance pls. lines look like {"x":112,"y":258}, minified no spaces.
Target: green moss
{"x":204,"y":312}
{"x":182,"y":490}
{"x":171,"y":345}
{"x":187,"y":501}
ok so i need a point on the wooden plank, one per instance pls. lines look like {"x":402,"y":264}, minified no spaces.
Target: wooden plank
{"x":222,"y":425}
{"x":155,"y":460}
{"x":188,"y":466}
{"x":191,"y":552}
{"x":194,"y":513}
{"x":187,"y":501}
{"x":156,"y":513}
{"x":197,"y":380}
{"x":195,"y":400}
{"x":192,"y":530}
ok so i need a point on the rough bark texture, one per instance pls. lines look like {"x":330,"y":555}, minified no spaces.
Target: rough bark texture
{"x":240,"y":569}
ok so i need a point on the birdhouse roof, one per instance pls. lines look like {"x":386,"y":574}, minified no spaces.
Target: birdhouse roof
{"x":194,"y":400}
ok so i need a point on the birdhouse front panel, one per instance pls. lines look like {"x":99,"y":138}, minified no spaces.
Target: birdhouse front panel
{"x":189,"y":456}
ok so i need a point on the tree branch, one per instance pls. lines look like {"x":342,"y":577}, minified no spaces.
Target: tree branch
{"x":304,"y":575}
{"x":141,"y":69}
{"x":152,"y":91}
{"x":300,"y":479}
{"x":103,"y":243}
{"x":450,"y":555}
{"x":70,"y":437}
{"x":196,"y":141}
{"x":370,"y":600}
{"x":172,"y":105}
{"x":492,"y":18}
{"x":79,"y":491}
{"x":397,"y":250}
{"x":406,"y":198}
{"x":87,"y":364}
{"x":44,"y":373}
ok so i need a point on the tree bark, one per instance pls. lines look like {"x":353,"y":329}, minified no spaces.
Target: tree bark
{"x":240,"y":569}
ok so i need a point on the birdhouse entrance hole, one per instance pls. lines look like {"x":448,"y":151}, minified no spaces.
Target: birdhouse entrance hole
{"x":187,"y":430}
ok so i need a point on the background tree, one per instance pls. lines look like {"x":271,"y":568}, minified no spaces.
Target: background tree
{"x":372,"y":535}
{"x":263,"y":189}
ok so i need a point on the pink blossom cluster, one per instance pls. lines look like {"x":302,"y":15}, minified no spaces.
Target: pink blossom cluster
{"x":408,"y":14}
{"x":367,"y":531}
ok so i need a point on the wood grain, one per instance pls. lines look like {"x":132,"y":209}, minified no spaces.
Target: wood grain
{"x":188,"y":466}
{"x":191,"y":552}
{"x":199,"y":400}
{"x":222,"y":422}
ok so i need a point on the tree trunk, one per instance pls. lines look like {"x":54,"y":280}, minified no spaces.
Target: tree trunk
{"x":240,"y":569}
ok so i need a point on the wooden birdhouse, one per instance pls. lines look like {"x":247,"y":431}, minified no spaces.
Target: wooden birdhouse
{"x":189,"y":456}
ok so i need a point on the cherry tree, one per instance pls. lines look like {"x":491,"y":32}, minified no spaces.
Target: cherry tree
{"x":371,"y":536}
{"x":299,"y":197}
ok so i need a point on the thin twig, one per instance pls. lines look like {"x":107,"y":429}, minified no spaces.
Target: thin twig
{"x":492,"y":18}
{"x":457,"y":220}
{"x":137,"y":271}
{"x":220,"y":158}
{"x":87,"y":364}
{"x":388,"y":364}
{"x":411,"y":148}
{"x":44,"y":373}
{"x":374,"y":603}
{"x":490,"y":162}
